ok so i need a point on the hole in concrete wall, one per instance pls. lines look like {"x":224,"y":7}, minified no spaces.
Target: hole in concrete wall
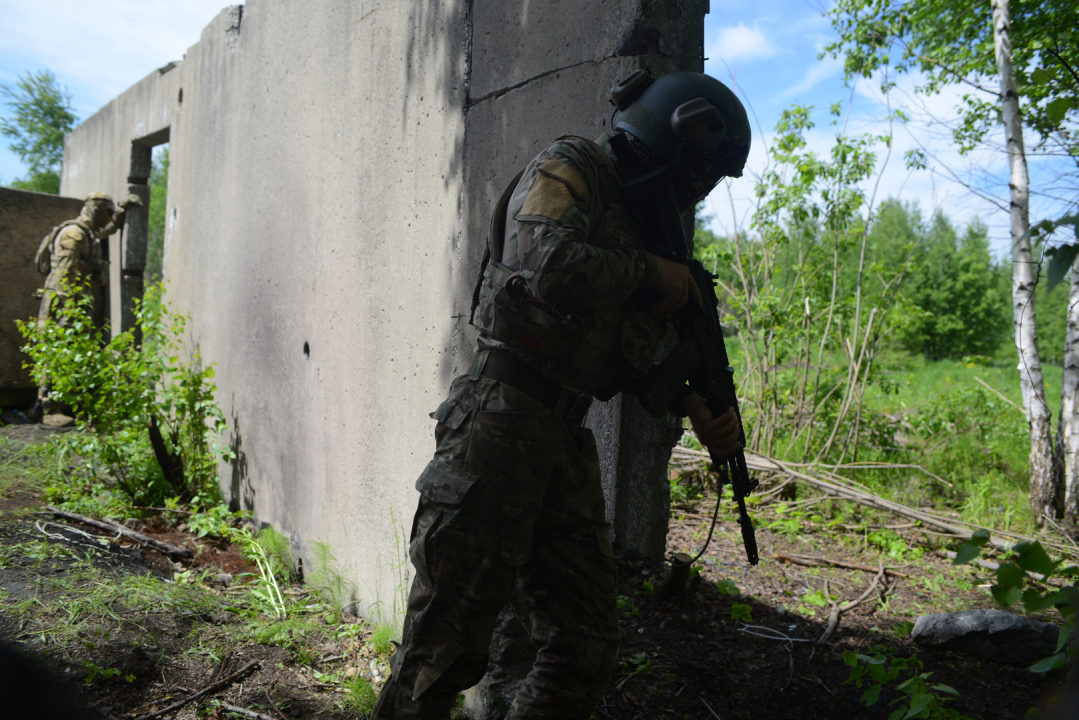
{"x":180,"y":96}
{"x":306,"y":350}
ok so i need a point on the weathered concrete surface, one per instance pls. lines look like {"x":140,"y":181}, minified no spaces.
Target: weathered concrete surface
{"x":25,"y":218}
{"x":333,"y":166}
{"x":988,"y":635}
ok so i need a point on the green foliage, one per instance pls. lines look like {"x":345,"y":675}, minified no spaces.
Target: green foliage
{"x":917,"y":698}
{"x":727,"y":587}
{"x":270,"y":552}
{"x":361,"y":696}
{"x":741,"y":611}
{"x":1023,"y":578}
{"x":328,"y":578}
{"x":213,"y":520}
{"x":382,"y":640}
{"x":951,"y":42}
{"x":639,"y":664}
{"x":952,"y":305}
{"x":159,"y":190}
{"x":39,"y":115}
{"x":626,"y":604}
{"x":119,"y":387}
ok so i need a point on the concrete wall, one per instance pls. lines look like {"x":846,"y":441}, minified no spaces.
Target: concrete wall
{"x":333,"y":165}
{"x":25,"y":218}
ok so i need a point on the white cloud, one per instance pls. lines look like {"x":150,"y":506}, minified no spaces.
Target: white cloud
{"x":819,"y":71}
{"x":741,"y":42}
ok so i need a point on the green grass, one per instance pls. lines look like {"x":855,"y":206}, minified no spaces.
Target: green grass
{"x":919,"y":380}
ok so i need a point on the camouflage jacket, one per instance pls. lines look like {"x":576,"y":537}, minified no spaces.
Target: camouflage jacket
{"x":76,"y":257}
{"x":572,"y":242}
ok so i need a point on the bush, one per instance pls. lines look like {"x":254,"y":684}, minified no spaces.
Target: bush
{"x":151,"y":417}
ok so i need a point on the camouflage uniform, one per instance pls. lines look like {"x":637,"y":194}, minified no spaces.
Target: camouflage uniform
{"x":76,"y":258}
{"x":511,"y":508}
{"x":76,"y":265}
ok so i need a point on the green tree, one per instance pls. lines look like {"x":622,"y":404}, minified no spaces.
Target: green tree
{"x":159,"y":190}
{"x":40,"y":115}
{"x":954,"y":302}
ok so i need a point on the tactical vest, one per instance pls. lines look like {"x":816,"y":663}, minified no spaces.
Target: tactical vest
{"x":591,"y":351}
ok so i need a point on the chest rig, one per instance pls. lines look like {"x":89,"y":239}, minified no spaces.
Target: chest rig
{"x":590,"y":350}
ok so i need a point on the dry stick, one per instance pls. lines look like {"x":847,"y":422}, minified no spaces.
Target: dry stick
{"x":955,"y":527}
{"x":219,"y":685}
{"x":248,"y":713}
{"x":833,"y":616}
{"x":996,"y":392}
{"x":109,"y":526}
{"x":809,"y":561}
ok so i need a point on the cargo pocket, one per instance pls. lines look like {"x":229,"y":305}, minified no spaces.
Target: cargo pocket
{"x":442,"y":483}
{"x":451,"y":413}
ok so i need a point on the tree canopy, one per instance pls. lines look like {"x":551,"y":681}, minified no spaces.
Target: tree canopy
{"x":39,"y":115}
{"x":951,"y":42}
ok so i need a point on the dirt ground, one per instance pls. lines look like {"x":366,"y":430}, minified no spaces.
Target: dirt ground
{"x":134,"y":632}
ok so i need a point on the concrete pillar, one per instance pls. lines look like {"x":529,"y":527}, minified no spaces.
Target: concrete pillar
{"x":136,"y":230}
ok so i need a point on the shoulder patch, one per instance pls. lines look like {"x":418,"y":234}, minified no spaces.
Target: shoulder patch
{"x":548,"y":197}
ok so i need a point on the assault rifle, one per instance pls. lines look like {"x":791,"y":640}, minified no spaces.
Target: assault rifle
{"x":700,"y":358}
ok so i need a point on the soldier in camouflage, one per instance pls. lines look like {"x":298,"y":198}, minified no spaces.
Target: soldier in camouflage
{"x":569,"y":307}
{"x":74,"y":261}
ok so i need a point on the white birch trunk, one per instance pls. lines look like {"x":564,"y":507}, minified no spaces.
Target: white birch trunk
{"x":1043,"y":481}
{"x":1068,"y":432}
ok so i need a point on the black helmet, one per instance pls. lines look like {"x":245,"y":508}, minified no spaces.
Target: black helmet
{"x":690,"y":121}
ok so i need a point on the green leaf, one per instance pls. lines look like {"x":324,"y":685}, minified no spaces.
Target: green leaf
{"x":850,"y":657}
{"x":917,"y":704}
{"x":1065,"y":632}
{"x":902,"y":629}
{"x":966,"y":552}
{"x":1006,"y":597}
{"x":946,"y":689}
{"x":1033,"y":558}
{"x":1056,"y":110}
{"x":1060,"y":262}
{"x":740,"y":611}
{"x":1048,"y":664}
{"x":1034,"y":601}
{"x":1040,"y":77}
{"x":1010,"y":576}
{"x":870,"y":696}
{"x":878,"y":673}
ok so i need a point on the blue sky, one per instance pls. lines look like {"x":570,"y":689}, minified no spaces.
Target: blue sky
{"x":767,"y":50}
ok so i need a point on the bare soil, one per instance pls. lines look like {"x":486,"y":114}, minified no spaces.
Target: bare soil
{"x":686,"y":658}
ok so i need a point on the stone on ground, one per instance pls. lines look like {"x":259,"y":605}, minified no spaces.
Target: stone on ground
{"x":988,"y":635}
{"x":57,"y":421}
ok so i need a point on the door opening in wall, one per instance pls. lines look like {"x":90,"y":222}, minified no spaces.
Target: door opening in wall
{"x":142,"y":253}
{"x":155,"y":237}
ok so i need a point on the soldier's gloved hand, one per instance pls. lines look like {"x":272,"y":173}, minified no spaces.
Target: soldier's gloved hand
{"x":131,"y":199}
{"x":718,"y":434}
{"x":675,"y":286}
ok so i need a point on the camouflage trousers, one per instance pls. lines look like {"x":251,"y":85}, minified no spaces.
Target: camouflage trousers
{"x":511,"y":510}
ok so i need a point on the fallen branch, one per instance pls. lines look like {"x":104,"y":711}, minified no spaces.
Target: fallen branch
{"x":111,"y":527}
{"x":809,"y":561}
{"x":219,"y":685}
{"x":868,"y":499}
{"x":1000,"y":395}
{"x":833,"y":616}
{"x":248,"y":713}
